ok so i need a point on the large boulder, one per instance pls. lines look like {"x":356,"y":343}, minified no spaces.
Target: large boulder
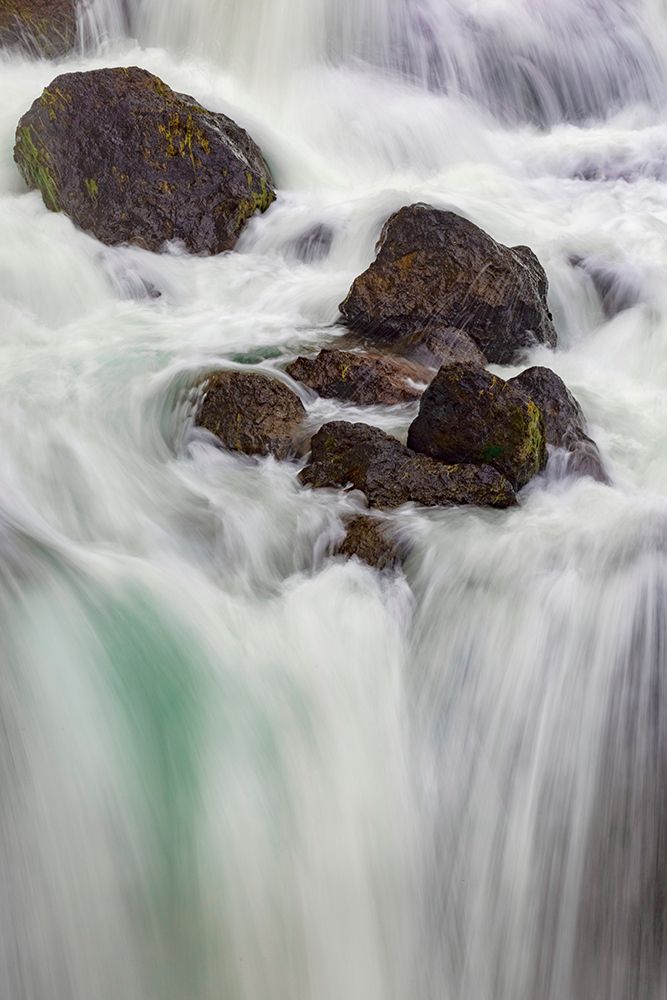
{"x":363,"y":457}
{"x":368,"y":540}
{"x":42,"y":27}
{"x":252,"y":413}
{"x":435,"y":269}
{"x":564,"y":421}
{"x":364,"y":379}
{"x":130,"y":160}
{"x":469,"y":415}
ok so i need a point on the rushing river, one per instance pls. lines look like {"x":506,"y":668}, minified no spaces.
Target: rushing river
{"x":229,"y":766}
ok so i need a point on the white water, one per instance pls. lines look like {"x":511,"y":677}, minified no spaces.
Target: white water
{"x":231,"y":767}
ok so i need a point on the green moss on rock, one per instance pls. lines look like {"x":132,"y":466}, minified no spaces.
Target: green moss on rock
{"x":469,"y":415}
{"x":130,"y":160}
{"x":36,"y":165}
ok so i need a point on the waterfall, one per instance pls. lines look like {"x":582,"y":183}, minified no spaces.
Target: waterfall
{"x":525,"y":59}
{"x":232,"y":766}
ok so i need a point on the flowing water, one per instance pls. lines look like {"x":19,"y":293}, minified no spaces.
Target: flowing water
{"x":230,"y":766}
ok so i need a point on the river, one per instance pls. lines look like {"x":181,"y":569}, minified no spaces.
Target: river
{"x":230,"y":766}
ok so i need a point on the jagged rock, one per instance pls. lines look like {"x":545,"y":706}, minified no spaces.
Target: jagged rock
{"x":469,"y":415}
{"x":436,"y":270}
{"x":252,"y":413}
{"x":364,"y":379}
{"x":130,"y":160}
{"x":564,"y":421}
{"x":363,"y":457}
{"x":368,"y":540}
{"x":41,"y":27}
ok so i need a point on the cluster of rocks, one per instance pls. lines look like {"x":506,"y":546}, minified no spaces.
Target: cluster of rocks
{"x":130,"y":160}
{"x":477,"y":438}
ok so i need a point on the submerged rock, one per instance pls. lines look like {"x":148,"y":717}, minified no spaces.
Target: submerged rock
{"x":364,"y":379}
{"x":469,"y":415}
{"x":363,"y":457}
{"x":435,"y":270}
{"x":367,"y":539}
{"x":130,"y":160}
{"x":314,"y":244}
{"x":44,"y":28}
{"x":252,"y":413}
{"x":564,"y":421}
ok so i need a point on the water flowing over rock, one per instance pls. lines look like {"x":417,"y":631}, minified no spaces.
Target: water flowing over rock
{"x":130,"y":160}
{"x":564,"y":421}
{"x":469,"y":415}
{"x":252,"y":413}
{"x":367,"y":539}
{"x":441,"y":347}
{"x":435,"y":269}
{"x":42,"y":27}
{"x":364,"y":379}
{"x":345,"y":454}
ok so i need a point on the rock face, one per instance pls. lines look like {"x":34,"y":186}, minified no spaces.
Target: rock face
{"x":251,"y":413}
{"x":131,"y":161}
{"x":564,"y":421}
{"x":42,"y":27}
{"x":367,"y":539}
{"x":469,"y":415}
{"x":435,"y":269}
{"x":345,"y":454}
{"x":361,"y":378}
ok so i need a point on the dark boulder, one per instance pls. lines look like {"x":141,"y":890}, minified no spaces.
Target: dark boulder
{"x":437,"y":270}
{"x":44,"y":28}
{"x":469,"y":415}
{"x":131,"y":161}
{"x":365,"y":458}
{"x":564,"y":421}
{"x":252,"y":413}
{"x":367,"y":539}
{"x":364,"y":379}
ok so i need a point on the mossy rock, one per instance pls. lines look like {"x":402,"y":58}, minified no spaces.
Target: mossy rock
{"x":251,"y":413}
{"x":357,"y":455}
{"x":564,"y":420}
{"x":469,"y":415}
{"x":44,"y":28}
{"x":131,"y":161}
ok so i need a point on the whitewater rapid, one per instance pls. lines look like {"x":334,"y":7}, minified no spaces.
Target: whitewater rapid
{"x":230,"y":766}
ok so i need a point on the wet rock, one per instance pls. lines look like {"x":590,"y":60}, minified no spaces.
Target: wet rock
{"x":44,"y":28}
{"x":130,"y":160}
{"x":436,"y":270}
{"x":441,"y":347}
{"x":252,"y":413}
{"x":364,"y":379}
{"x":564,"y":421}
{"x":469,"y":415}
{"x":356,"y":455}
{"x":367,"y":539}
